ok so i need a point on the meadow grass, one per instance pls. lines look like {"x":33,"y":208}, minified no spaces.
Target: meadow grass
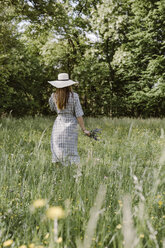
{"x":126,"y":165}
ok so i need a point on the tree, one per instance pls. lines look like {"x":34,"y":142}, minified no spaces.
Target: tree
{"x":124,"y":65}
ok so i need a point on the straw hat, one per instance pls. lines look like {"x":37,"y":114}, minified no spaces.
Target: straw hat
{"x":63,"y":81}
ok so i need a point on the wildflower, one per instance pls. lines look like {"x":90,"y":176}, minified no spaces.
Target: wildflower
{"x":118,"y":226}
{"x":141,"y":236}
{"x":94,"y":133}
{"x":7,"y":243}
{"x":32,"y":245}
{"x":46,"y":236}
{"x":160,"y":203}
{"x":59,"y":240}
{"x":55,"y":213}
{"x":39,"y":203}
{"x":120,"y":203}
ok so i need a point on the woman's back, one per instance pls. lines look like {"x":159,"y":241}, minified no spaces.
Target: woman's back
{"x":73,"y":106}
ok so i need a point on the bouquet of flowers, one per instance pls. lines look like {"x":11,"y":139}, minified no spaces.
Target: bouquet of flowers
{"x":94,"y":133}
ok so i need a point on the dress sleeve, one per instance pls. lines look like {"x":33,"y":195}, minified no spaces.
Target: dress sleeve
{"x":52,"y":104}
{"x":77,"y":105}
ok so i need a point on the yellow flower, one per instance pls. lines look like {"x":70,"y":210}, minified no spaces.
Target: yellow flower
{"x":7,"y":243}
{"x":39,"y":203}
{"x":55,"y":213}
{"x":59,"y":240}
{"x":120,"y":203}
{"x":118,"y":226}
{"x":46,"y":236}
{"x":23,"y":246}
{"x":141,"y":236}
{"x":160,"y":203}
{"x":32,"y":245}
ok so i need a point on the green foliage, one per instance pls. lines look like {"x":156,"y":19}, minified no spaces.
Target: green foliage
{"x":123,"y":64}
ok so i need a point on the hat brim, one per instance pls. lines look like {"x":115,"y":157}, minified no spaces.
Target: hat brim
{"x":62,"y":84}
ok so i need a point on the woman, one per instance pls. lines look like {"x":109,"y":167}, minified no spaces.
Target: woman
{"x":65,"y":132}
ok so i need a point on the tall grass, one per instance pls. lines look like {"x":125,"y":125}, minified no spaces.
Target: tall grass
{"x":128,"y":160}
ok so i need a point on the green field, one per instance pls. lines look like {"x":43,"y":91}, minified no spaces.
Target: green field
{"x":114,"y":198}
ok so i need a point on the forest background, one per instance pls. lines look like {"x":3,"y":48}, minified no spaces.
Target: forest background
{"x":115,"y":49}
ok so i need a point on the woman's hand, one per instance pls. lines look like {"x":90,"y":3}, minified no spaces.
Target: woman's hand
{"x":86,"y":132}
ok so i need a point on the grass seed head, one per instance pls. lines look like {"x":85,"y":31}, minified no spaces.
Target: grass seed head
{"x":129,"y":232}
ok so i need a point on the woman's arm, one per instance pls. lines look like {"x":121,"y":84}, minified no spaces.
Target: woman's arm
{"x":81,"y":123}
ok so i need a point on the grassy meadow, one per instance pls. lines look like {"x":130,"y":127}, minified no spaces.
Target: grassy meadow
{"x":114,"y":198}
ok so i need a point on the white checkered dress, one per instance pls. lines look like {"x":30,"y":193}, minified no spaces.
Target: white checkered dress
{"x":65,"y":131}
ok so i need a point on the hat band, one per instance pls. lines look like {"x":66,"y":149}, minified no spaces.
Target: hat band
{"x":63,"y":79}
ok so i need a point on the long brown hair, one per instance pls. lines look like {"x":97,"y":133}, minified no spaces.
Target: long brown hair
{"x":62,"y":96}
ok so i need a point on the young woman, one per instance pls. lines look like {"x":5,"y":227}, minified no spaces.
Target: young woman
{"x":65,"y":132}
